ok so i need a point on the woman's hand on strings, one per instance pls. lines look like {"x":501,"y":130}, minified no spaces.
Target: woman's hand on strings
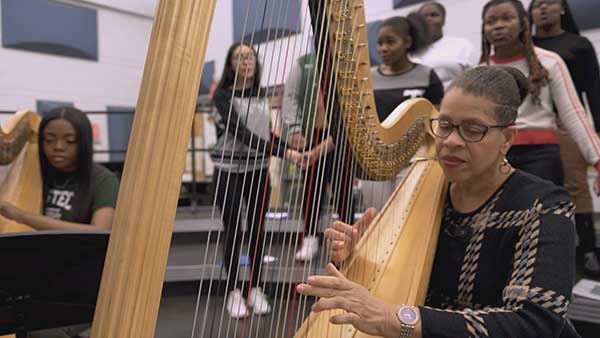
{"x":362,"y":310}
{"x":343,"y":237}
{"x":297,"y":158}
{"x":11,"y":212}
{"x":322,"y":149}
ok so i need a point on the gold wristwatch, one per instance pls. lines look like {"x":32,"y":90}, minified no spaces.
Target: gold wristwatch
{"x":409,"y":318}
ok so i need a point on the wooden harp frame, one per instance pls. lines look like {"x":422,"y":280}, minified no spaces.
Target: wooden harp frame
{"x":22,"y":185}
{"x":135,"y":265}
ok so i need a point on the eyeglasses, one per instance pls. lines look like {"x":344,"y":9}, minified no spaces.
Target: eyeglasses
{"x":468,"y":131}
{"x":244,"y":57}
{"x":539,"y":3}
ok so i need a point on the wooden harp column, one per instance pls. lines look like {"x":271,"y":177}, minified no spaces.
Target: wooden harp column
{"x":137,"y":254}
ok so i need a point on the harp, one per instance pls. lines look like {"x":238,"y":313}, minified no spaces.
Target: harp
{"x":22,"y":184}
{"x":396,"y":269}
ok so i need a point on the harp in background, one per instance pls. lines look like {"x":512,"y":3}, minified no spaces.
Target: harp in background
{"x":395,"y":255}
{"x":22,"y":184}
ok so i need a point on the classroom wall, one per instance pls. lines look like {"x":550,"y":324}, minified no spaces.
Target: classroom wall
{"x":124,"y":28}
{"x":123,"y":33}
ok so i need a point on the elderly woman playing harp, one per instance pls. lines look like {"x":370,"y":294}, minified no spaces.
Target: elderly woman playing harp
{"x":503,"y":266}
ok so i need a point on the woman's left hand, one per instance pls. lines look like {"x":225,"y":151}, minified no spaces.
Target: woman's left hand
{"x":11,"y":212}
{"x":297,"y":158}
{"x":365,"y":312}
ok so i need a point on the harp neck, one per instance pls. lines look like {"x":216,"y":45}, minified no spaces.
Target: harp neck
{"x":22,"y":185}
{"x":20,"y":130}
{"x":382,"y":148}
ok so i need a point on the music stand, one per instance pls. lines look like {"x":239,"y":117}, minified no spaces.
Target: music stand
{"x":49,"y":279}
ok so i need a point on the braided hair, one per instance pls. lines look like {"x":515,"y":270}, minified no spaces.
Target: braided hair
{"x":505,"y":86}
{"x":538,"y":75}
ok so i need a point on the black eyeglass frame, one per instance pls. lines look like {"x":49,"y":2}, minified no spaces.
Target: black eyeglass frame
{"x":457,"y":127}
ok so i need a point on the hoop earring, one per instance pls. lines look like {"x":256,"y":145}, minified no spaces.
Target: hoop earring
{"x":505,"y":166}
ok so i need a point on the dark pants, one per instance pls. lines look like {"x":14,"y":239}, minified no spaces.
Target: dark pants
{"x":329,"y":168}
{"x":256,"y":193}
{"x":542,"y":160}
{"x":584,"y":223}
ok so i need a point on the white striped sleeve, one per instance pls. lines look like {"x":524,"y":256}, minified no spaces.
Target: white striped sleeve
{"x":570,"y":110}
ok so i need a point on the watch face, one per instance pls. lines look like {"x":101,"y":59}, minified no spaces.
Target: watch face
{"x":408,"y":315}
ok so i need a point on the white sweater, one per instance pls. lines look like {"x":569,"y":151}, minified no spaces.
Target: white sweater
{"x":558,"y":95}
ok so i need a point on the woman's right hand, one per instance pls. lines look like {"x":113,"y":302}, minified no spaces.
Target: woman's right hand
{"x":343,"y":237}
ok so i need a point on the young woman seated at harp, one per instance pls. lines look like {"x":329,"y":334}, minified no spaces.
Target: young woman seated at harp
{"x":77,"y":193}
{"x":504,"y":263}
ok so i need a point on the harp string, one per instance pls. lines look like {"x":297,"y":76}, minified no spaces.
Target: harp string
{"x":288,"y":249}
{"x":317,"y":168}
{"x":226,"y":195}
{"x":213,"y":215}
{"x":342,"y":186}
{"x":262,"y":206}
{"x":360,"y":270}
{"x":282,"y":167}
{"x":291,"y":249}
{"x":250,"y":228}
{"x":330,"y":84}
{"x":341,"y":53}
{"x":286,"y":305}
{"x":348,"y":85}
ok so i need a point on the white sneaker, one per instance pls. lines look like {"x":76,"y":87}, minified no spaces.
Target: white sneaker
{"x":259,"y":302}
{"x":236,"y":305}
{"x":591,"y":264}
{"x":309,"y":249}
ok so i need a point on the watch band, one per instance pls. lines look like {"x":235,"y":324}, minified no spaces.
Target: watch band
{"x":406,"y":331}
